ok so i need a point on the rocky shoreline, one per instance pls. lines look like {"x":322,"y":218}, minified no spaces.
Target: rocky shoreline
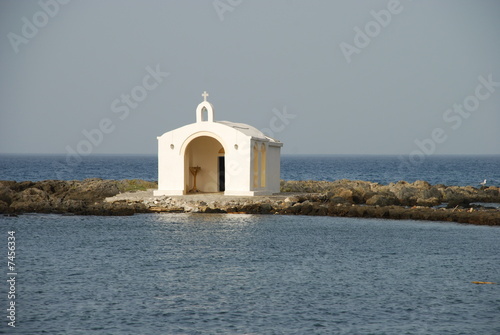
{"x":401,"y":200}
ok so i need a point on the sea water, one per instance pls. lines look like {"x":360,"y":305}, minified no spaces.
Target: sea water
{"x":448,"y":170}
{"x":251,"y":274}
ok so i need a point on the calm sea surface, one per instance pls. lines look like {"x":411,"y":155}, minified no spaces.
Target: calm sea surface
{"x":251,"y":274}
{"x":448,"y":170}
{"x":245,"y":274}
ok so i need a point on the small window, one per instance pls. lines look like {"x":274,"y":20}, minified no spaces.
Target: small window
{"x":256,"y":166}
{"x":263,"y":162}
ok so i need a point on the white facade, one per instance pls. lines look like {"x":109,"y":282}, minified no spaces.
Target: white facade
{"x":233,"y":158}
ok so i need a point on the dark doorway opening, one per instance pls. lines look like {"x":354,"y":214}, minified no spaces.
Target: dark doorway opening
{"x":222,"y":174}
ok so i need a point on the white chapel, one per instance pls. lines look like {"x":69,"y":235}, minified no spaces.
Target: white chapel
{"x":217,"y":156}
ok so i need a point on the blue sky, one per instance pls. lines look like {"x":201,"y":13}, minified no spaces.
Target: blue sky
{"x":324,"y":77}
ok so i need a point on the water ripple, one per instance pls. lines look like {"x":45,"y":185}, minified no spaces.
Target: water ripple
{"x":248,"y":274}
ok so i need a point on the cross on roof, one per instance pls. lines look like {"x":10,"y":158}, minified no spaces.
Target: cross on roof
{"x":205,"y":95}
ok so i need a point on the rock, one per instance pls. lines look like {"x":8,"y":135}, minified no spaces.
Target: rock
{"x":6,"y":195}
{"x":295,"y":209}
{"x":307,"y":186}
{"x":292,"y":200}
{"x":345,"y":194}
{"x":134,"y":185}
{"x":339,"y":200}
{"x":19,"y":187}
{"x":93,"y":190}
{"x":55,"y":187}
{"x":32,"y":195}
{"x":432,"y":192}
{"x":324,"y":198}
{"x":421,"y":184}
{"x":4,"y":207}
{"x":57,"y":196}
{"x":322,"y":210}
{"x":430,"y":202}
{"x":214,"y":210}
{"x":306,"y":208}
{"x":7,"y":183}
{"x":407,"y":195}
{"x":381,"y":200}
{"x":31,"y":207}
{"x":266,"y":208}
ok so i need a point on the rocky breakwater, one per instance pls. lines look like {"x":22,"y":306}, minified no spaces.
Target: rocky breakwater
{"x":401,"y":200}
{"x":402,"y":193}
{"x":63,"y":197}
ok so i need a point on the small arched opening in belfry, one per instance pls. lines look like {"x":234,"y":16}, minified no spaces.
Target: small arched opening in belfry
{"x":204,"y":114}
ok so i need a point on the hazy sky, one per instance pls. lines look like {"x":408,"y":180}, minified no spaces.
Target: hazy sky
{"x":324,"y":77}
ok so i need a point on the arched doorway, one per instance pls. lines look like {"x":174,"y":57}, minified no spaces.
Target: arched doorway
{"x":222,"y":170}
{"x":205,"y":155}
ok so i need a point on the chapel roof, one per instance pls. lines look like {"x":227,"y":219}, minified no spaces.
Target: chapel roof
{"x":248,"y":130}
